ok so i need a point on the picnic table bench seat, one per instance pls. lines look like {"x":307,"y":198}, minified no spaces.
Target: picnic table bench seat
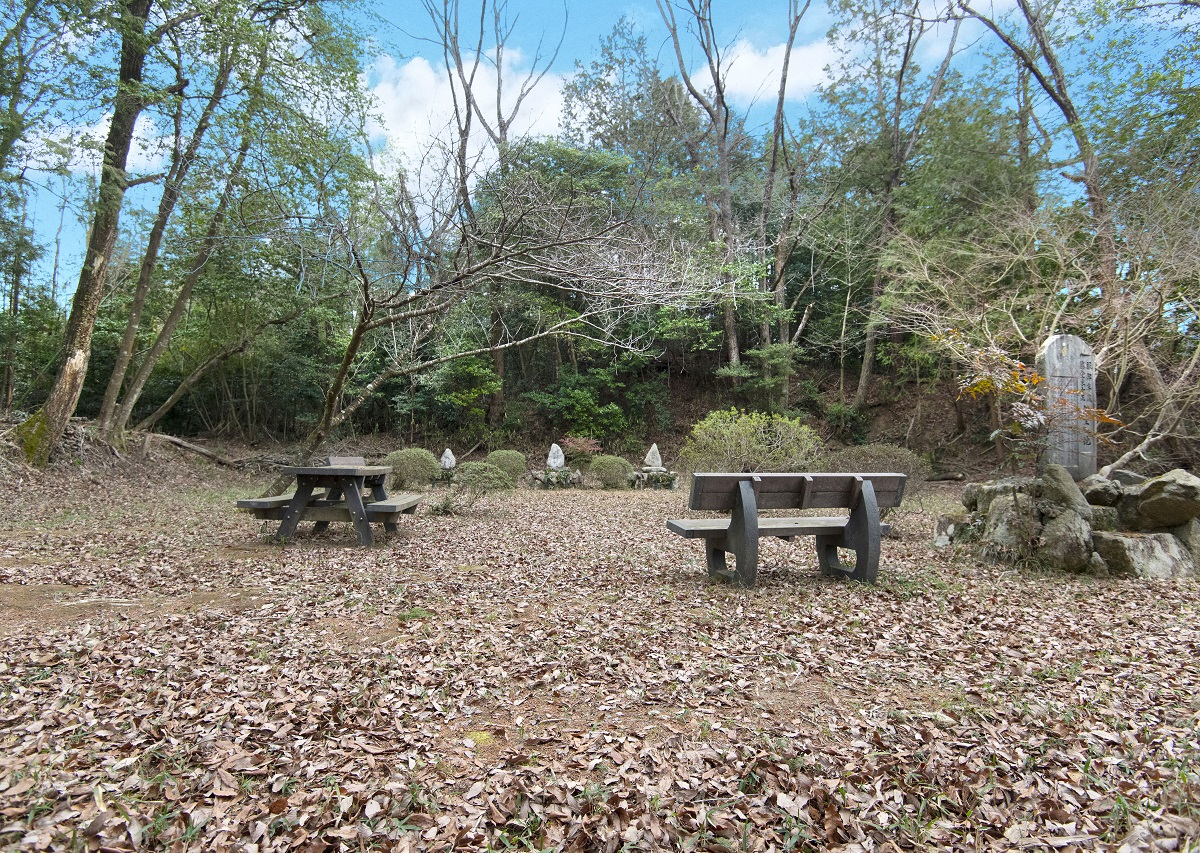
{"x":388,"y":510}
{"x":743,"y":496}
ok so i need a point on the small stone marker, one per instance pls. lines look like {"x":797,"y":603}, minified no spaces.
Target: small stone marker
{"x":448,"y":461}
{"x":1069,"y":370}
{"x":556,"y":460}
{"x":653,"y":473}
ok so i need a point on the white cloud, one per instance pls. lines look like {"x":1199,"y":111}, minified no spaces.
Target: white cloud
{"x":80,"y":149}
{"x":752,"y":74}
{"x":415,"y":105}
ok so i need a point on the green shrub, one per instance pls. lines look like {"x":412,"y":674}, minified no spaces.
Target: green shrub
{"x":613,"y":472}
{"x":879,"y":459}
{"x":412,"y":467}
{"x":510,"y":461}
{"x":749,"y":441}
{"x":483,"y":477}
{"x":847,"y":423}
{"x":472,"y":480}
{"x":582,"y":404}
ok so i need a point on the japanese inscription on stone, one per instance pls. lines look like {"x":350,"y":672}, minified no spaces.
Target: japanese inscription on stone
{"x":1068,"y":371}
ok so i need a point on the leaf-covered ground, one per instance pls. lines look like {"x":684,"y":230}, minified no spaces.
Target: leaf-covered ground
{"x":554,"y":670}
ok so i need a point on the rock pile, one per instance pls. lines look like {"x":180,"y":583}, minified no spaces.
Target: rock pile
{"x":1122,"y":524}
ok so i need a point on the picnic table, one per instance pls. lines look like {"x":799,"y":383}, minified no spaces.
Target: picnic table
{"x":335,"y":492}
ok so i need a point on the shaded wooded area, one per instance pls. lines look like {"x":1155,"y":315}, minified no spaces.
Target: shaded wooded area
{"x":962,"y":187}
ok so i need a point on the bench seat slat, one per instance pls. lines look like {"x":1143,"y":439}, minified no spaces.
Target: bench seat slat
{"x":396,"y":503}
{"x":263,"y":503}
{"x":713,"y":528}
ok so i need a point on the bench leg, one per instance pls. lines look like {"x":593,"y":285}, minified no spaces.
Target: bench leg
{"x":861,"y":535}
{"x":741,"y":541}
{"x":743,"y":534}
{"x":379,"y":493}
{"x":714,"y":552}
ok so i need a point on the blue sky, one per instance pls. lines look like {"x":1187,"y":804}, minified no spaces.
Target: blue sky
{"x":409,"y":80}
{"x":411,"y":87}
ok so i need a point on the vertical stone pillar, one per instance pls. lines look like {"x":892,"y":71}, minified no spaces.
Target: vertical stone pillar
{"x":1068,"y":371}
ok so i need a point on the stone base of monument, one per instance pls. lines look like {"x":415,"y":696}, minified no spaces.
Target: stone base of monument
{"x":557,"y":478}
{"x":655,"y":479}
{"x":1121,"y":524}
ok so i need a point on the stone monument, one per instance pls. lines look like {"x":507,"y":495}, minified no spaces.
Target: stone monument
{"x":448,"y":461}
{"x":653,"y":473}
{"x":557,"y":474}
{"x":1068,"y":371}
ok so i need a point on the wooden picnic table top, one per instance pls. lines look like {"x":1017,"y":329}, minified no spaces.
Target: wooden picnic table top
{"x":337,"y":470}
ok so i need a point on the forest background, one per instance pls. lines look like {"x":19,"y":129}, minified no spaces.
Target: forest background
{"x":880,"y":257}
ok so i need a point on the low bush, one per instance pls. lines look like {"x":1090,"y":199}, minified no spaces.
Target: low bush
{"x":879,"y":459}
{"x":511,"y":462}
{"x":472,"y":481}
{"x":750,"y":441}
{"x":579,"y":450}
{"x":847,"y":423}
{"x":613,"y":472}
{"x":483,"y":477}
{"x":413,"y":467}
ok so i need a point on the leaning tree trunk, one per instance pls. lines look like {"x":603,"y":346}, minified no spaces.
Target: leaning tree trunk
{"x":181,"y":164}
{"x":182,"y":298}
{"x":39,"y":434}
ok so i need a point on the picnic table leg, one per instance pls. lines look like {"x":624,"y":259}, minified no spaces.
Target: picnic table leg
{"x":358,"y":513}
{"x":295,"y":509}
{"x":333,"y":493}
{"x":379,"y":493}
{"x":862,"y":534}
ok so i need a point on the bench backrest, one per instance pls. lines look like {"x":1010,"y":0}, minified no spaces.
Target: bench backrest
{"x":345,"y":460}
{"x":795,"y":491}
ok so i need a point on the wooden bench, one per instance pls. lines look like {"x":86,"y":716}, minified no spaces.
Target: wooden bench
{"x":744,"y":495}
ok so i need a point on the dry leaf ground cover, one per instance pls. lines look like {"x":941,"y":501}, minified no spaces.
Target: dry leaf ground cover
{"x":554,"y":671}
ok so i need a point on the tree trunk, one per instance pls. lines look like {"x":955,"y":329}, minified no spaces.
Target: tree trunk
{"x":208,"y":247}
{"x":10,"y":348}
{"x":495,"y":413}
{"x":868,"y":363}
{"x":181,"y":163}
{"x":39,"y":434}
{"x":995,"y":422}
{"x":330,"y":416}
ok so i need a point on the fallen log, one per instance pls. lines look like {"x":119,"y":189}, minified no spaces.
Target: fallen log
{"x":197,"y":449}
